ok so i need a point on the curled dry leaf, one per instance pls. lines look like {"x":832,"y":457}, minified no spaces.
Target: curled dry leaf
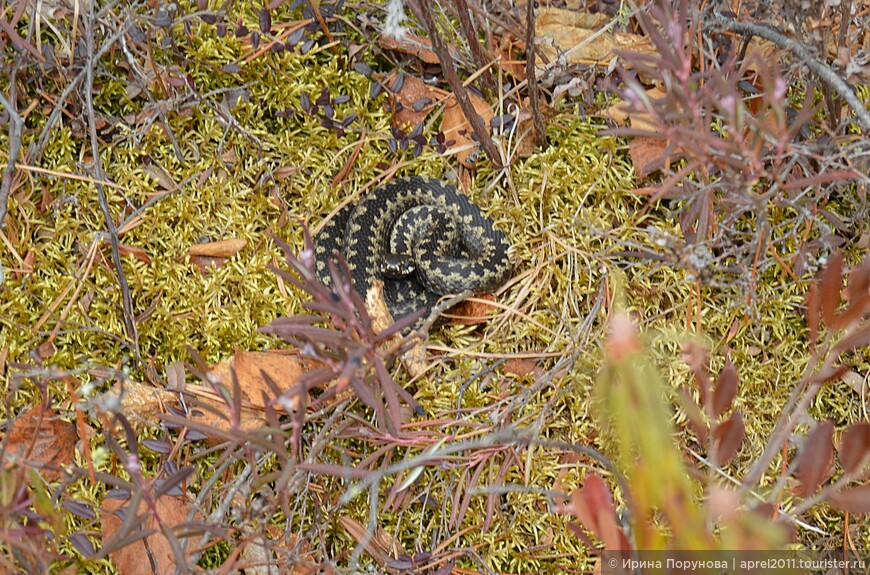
{"x":520,"y":367}
{"x":816,"y":458}
{"x":38,"y":435}
{"x":507,"y":47}
{"x":252,"y":368}
{"x":219,"y":249}
{"x":143,"y":404}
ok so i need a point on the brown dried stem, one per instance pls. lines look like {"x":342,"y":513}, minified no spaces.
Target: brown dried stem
{"x":534,"y":104}
{"x":482,"y":60}
{"x":440,"y":46}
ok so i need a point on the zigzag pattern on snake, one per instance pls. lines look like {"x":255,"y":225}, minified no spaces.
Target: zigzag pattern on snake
{"x":421,"y":237}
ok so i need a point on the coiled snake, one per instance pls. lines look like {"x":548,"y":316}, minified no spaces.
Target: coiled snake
{"x":421,"y":237}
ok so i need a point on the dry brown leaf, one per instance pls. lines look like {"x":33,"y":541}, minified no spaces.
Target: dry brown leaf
{"x":646,"y":152}
{"x":137,"y":253}
{"x":39,"y":435}
{"x":219,"y":249}
{"x":646,"y":155}
{"x":142,"y":404}
{"x":283,"y":368}
{"x":577,"y":35}
{"x":162,"y":176}
{"x":472,"y":312}
{"x":414,"y":359}
{"x":622,"y":115}
{"x":526,"y":144}
{"x":206,"y":264}
{"x":413,"y":97}
{"x":135,"y":559}
{"x":27,"y":266}
{"x":46,"y":350}
{"x":520,"y":366}
{"x":456,"y":128}
{"x":507,"y":46}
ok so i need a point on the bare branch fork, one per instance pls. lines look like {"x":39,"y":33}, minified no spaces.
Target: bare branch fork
{"x":821,"y":69}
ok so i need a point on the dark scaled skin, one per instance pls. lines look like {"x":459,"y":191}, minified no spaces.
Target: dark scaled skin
{"x":445,"y":244}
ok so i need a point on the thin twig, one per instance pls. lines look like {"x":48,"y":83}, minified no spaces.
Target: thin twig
{"x":534,"y":104}
{"x":821,"y":69}
{"x":440,"y":46}
{"x":127,"y":299}
{"x":480,"y":58}
{"x":16,"y":125}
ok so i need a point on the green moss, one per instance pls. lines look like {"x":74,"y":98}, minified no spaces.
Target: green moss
{"x":567,"y":209}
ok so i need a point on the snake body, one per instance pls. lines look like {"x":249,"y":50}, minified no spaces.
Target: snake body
{"x":421,"y":237}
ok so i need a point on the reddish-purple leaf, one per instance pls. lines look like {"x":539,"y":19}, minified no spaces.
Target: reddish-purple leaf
{"x":859,"y":281}
{"x":816,"y":457}
{"x":829,"y":374}
{"x":173,"y":482}
{"x":854,"y":340}
{"x":854,"y":312}
{"x":830,"y":283}
{"x":813,"y":310}
{"x":158,"y":445}
{"x":855,"y":447}
{"x":728,"y":437}
{"x":853,"y":499}
{"x":294,"y":37}
{"x":82,"y":544}
{"x":265,"y":18}
{"x":445,"y":569}
{"x":80,"y":510}
{"x":725,"y":390}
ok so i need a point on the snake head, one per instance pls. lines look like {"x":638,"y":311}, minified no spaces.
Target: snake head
{"x":397,"y":266}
